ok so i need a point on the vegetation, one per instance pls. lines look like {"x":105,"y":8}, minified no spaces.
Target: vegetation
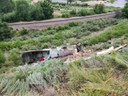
{"x":5,"y":31}
{"x":55,"y":36}
{"x":73,"y":30}
{"x":18,"y":10}
{"x":24,"y":11}
{"x":83,"y":10}
{"x":125,"y":11}
{"x":6,"y":6}
{"x":75,"y":79}
{"x":99,"y":8}
{"x":114,"y":32}
{"x":105,"y":75}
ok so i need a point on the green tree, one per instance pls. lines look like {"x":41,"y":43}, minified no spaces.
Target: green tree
{"x":125,"y":10}
{"x":47,"y":9}
{"x":99,"y":8}
{"x":6,"y":6}
{"x":5,"y":31}
{"x":22,"y":10}
{"x":37,"y":12}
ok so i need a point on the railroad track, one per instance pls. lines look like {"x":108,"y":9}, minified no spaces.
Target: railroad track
{"x":56,"y":22}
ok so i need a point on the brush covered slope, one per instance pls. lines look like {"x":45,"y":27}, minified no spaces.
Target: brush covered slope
{"x":100,"y":76}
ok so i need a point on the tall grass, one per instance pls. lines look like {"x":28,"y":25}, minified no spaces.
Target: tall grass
{"x":116,"y":31}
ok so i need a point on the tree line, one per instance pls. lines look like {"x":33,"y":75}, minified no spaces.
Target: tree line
{"x":23,"y":11}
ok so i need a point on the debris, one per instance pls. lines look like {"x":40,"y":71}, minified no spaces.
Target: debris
{"x":105,"y":51}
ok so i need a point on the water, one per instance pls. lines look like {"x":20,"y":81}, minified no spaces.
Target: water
{"x":118,"y":3}
{"x":60,"y":1}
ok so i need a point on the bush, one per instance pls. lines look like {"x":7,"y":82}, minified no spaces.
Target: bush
{"x":6,"y":6}
{"x":9,"y":17}
{"x":72,"y":24}
{"x":47,"y":9}
{"x":125,"y":10}
{"x":114,"y":32}
{"x":5,"y":31}
{"x":65,"y":15}
{"x":22,"y":10}
{"x":37,"y":12}
{"x":82,"y":12}
{"x":99,"y":8}
{"x":2,"y":58}
{"x":73,"y":13}
{"x":60,"y":28}
{"x":24,"y":31}
{"x":15,"y":57}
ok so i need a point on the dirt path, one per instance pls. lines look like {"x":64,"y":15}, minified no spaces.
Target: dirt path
{"x":57,"y":22}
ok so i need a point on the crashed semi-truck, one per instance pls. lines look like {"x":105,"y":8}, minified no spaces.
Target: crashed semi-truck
{"x":29,"y":57}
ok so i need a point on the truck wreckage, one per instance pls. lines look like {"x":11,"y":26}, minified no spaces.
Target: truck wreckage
{"x":34,"y":56}
{"x":29,"y":57}
{"x":60,"y":52}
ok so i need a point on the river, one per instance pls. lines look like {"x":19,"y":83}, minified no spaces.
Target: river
{"x":118,"y":3}
{"x":60,"y":1}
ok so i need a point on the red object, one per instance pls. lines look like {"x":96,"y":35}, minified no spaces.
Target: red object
{"x":41,"y":59}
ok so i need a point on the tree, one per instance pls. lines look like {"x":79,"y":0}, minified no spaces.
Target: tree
{"x":47,"y":9}
{"x":5,"y":31}
{"x":99,"y":8}
{"x":37,"y":12}
{"x":22,"y":10}
{"x":6,"y":6}
{"x":125,"y":10}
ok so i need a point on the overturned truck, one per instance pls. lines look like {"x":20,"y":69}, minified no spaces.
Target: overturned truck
{"x":29,"y":57}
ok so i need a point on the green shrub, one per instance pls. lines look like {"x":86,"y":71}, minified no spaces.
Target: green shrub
{"x":99,"y":8}
{"x":63,"y":27}
{"x":65,"y":15}
{"x":125,"y":10}
{"x":72,"y":24}
{"x":9,"y":64}
{"x":15,"y":57}
{"x":5,"y":31}
{"x":24,"y":31}
{"x":82,"y":12}
{"x":73,"y":13}
{"x":2,"y":59}
{"x":6,"y":6}
{"x":114,"y":32}
{"x":9,"y":17}
{"x":24,"y":11}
